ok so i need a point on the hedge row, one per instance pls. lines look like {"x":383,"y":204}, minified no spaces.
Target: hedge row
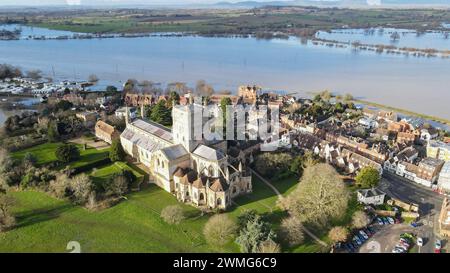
{"x":92,"y":165}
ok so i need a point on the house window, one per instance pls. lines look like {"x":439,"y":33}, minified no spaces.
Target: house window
{"x":201,"y":196}
{"x":219,"y":201}
{"x":211,"y":170}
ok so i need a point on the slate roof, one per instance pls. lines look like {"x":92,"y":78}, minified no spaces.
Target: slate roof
{"x":174,"y":152}
{"x":179,"y":172}
{"x":199,"y":182}
{"x":154,"y":129}
{"x":370,"y":192}
{"x":218,"y":184}
{"x":208,"y":153}
{"x":105,"y":127}
{"x":141,"y":141}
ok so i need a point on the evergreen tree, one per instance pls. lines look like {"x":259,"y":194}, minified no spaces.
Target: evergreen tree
{"x":67,"y":153}
{"x":161,"y":114}
{"x":116,"y":152}
{"x":52,"y":132}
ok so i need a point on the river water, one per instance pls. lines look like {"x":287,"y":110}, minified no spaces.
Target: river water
{"x":415,"y":83}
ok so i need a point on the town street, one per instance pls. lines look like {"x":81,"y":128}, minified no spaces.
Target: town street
{"x":429,"y":205}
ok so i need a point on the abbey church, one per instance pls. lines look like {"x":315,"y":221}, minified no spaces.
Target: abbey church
{"x":198,"y":172}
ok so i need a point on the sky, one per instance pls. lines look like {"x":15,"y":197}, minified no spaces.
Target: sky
{"x":177,"y":2}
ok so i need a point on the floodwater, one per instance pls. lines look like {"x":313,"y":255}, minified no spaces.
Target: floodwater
{"x":415,"y":83}
{"x":407,"y":38}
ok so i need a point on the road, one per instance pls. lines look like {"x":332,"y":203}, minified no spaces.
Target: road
{"x":429,"y":205}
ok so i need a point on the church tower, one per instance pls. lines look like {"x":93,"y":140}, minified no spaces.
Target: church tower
{"x":187,"y":125}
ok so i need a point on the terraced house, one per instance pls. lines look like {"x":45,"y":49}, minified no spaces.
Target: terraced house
{"x":198,"y":172}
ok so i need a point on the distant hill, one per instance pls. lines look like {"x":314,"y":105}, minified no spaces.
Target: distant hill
{"x":253,"y":4}
{"x":331,"y":3}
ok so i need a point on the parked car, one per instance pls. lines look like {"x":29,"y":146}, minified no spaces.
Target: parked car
{"x":357,"y":240}
{"x":349,"y":247}
{"x":379,"y":221}
{"x":437,"y":246}
{"x":385,"y":221}
{"x":402,"y":246}
{"x":399,"y":250}
{"x":368,"y":232}
{"x":361,"y":238}
{"x":353,"y":246}
{"x":372,"y":230}
{"x":363,"y":234}
{"x":419,"y":241}
{"x":390,"y":220}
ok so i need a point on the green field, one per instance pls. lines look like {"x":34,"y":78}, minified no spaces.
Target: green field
{"x":103,"y":174}
{"x":46,"y":224}
{"x":288,"y":20}
{"x":45,"y":154}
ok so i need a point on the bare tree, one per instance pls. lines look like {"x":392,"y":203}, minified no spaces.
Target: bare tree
{"x":93,"y":78}
{"x":59,"y":186}
{"x":82,"y":187}
{"x":7,"y":221}
{"x":35,"y":74}
{"x":360,"y":219}
{"x":291,"y":231}
{"x":92,"y":201}
{"x":269,"y":246}
{"x":173,"y":214}
{"x":395,"y":36}
{"x":219,"y":230}
{"x":204,"y":89}
{"x":320,"y":196}
{"x":338,"y":234}
{"x":348,"y":97}
{"x":5,"y":160}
